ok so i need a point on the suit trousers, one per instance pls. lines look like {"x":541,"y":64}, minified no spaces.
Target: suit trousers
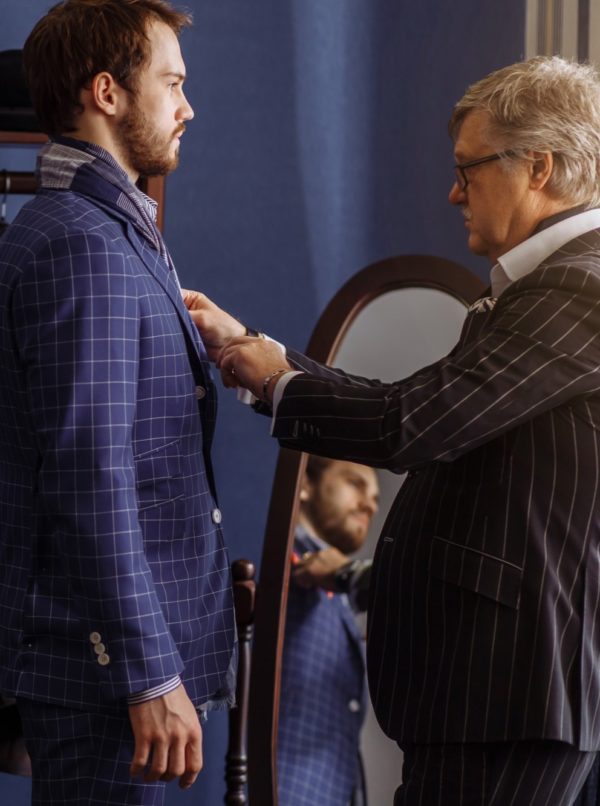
{"x":524,"y":773}
{"x":81,"y":758}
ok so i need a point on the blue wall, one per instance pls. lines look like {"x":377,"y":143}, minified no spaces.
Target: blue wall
{"x":319,"y":145}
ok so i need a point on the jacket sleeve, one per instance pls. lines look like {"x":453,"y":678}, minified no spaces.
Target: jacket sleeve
{"x":77,"y":326}
{"x":540,"y":350}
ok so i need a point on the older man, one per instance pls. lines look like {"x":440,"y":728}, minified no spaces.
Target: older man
{"x":483,"y":640}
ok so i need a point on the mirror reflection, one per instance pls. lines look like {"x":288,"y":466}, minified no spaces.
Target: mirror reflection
{"x":323,"y":692}
{"x":325,"y":714}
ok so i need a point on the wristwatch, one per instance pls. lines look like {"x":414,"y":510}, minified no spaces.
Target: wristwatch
{"x":342,"y":578}
{"x":254,"y":333}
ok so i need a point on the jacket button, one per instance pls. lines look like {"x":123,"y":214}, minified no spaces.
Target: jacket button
{"x":216,"y":516}
{"x":95,"y":637}
{"x":103,"y":659}
{"x":200,"y":392}
{"x":99,"y":649}
{"x":354,"y":706}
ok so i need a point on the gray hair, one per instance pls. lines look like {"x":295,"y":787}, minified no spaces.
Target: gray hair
{"x":546,"y":104}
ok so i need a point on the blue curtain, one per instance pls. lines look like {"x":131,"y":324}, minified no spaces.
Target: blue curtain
{"x":319,"y":146}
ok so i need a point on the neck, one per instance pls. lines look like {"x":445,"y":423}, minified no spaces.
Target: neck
{"x":101,"y":135}
{"x":307,"y":525}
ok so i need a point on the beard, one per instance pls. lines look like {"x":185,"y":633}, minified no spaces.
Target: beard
{"x":147,"y":151}
{"x":339,"y":529}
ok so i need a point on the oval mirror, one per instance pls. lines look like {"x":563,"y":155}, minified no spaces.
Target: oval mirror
{"x":389,"y":320}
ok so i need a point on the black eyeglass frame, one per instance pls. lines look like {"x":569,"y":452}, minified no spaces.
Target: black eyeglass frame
{"x":460,"y":168}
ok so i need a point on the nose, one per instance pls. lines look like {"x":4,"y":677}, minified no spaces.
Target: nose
{"x":456,"y":195}
{"x":370,"y":505}
{"x":186,"y":112}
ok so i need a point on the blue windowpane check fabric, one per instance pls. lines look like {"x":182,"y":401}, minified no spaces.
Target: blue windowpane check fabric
{"x":323,"y":697}
{"x":113,"y":573}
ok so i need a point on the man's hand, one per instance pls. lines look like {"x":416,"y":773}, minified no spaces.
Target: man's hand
{"x":248,"y":361}
{"x":216,"y":326}
{"x":316,"y":569}
{"x":168,"y":739}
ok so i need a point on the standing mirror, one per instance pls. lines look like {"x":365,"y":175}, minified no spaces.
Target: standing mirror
{"x":389,"y":320}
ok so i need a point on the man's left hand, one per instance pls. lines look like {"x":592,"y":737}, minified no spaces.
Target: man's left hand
{"x":317,"y":568}
{"x":248,"y":361}
{"x":168,"y":739}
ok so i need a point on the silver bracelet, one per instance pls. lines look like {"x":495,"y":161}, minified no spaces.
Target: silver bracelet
{"x":268,"y":379}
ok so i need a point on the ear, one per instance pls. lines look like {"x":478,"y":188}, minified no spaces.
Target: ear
{"x":105,"y":94}
{"x":305,"y":490}
{"x":540,"y":169}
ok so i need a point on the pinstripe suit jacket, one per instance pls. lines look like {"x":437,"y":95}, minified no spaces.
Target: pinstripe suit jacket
{"x":322,"y":700}
{"x":108,"y":515}
{"x":485,"y":596}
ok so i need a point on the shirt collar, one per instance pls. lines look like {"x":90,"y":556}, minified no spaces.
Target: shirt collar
{"x":67,"y":163}
{"x":302,"y":532}
{"x":62,"y":157}
{"x":526,"y":256}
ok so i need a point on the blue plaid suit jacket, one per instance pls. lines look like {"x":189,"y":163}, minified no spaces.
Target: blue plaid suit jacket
{"x":322,"y":702}
{"x":485,"y":588}
{"x":108,"y":515}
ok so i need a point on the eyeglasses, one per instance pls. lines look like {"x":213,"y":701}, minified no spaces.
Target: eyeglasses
{"x":460,"y":169}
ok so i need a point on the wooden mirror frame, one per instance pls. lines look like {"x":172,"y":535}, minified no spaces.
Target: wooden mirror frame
{"x":405,"y":271}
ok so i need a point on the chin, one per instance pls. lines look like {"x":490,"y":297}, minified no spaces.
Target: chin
{"x":477,"y":246}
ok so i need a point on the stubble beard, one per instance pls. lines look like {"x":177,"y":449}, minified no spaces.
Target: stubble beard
{"x":146,"y":151}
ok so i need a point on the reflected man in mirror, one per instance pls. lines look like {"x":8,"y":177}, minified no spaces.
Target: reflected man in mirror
{"x":323,"y":674}
{"x":483,"y":646}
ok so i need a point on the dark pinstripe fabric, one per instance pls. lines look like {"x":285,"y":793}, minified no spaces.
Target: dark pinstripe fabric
{"x":590,"y":793}
{"x":322,"y":701}
{"x":504,"y":774}
{"x":483,"y":621}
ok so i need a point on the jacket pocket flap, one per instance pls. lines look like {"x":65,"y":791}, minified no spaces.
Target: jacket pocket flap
{"x":159,"y":464}
{"x":476,"y":571}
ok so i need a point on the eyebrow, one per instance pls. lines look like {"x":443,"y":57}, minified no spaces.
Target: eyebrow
{"x":174,"y":74}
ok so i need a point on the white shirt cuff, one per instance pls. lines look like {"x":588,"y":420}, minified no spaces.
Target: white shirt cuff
{"x":153,"y":693}
{"x":245,"y":396}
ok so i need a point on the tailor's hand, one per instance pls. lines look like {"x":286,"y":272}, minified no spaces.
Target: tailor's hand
{"x":168,"y":739}
{"x":248,"y":361}
{"x":216,"y":326}
{"x":316,"y":569}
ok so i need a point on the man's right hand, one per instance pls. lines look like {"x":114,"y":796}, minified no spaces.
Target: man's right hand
{"x":216,"y":326}
{"x":168,"y":739}
{"x":317,"y":569}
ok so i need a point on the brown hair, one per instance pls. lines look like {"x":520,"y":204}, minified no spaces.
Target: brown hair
{"x":316,"y":466}
{"x":76,"y":40}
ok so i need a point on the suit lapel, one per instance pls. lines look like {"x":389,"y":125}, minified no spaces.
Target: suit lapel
{"x":167,"y":279}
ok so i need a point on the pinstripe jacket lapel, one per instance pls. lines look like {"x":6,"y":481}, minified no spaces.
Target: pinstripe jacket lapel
{"x":486,"y":582}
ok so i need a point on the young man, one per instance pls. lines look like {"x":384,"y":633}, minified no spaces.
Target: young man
{"x":116,"y":617}
{"x":322,"y":699}
{"x":483,"y":650}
